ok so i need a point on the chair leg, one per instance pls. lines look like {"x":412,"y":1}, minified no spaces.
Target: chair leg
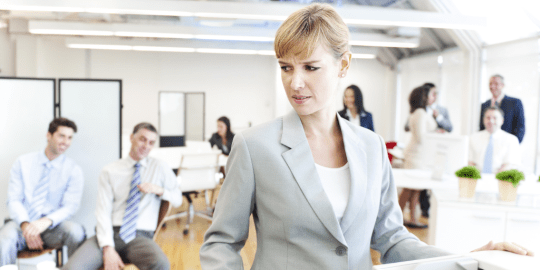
{"x":59,"y":257}
{"x":190,"y":215}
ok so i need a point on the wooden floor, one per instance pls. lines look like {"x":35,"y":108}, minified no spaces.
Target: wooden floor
{"x":183,"y":251}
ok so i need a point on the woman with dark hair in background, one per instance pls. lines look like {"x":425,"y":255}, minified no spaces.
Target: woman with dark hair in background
{"x":223,"y":137}
{"x":420,"y":124}
{"x":353,"y":108}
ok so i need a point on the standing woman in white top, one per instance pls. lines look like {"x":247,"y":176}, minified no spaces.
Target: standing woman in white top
{"x":420,"y":124}
{"x":310,"y":210}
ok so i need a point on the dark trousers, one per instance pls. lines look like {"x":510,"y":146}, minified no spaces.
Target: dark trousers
{"x":142,"y":251}
{"x":424,"y":202}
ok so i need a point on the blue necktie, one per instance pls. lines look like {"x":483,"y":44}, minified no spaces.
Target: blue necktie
{"x":39,"y":196}
{"x":128,"y":230}
{"x":488,"y":158}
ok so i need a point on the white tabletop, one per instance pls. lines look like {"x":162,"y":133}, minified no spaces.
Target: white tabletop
{"x":420,"y":179}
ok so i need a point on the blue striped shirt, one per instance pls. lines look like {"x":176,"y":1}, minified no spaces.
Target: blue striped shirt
{"x":65,"y":189}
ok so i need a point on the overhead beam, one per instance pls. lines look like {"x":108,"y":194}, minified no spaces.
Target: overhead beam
{"x":433,"y":39}
{"x":352,"y":14}
{"x":239,"y":33}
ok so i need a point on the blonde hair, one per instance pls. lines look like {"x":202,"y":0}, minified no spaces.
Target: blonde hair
{"x":309,"y":27}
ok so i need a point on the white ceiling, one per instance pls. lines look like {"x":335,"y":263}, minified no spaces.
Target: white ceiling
{"x":368,"y":20}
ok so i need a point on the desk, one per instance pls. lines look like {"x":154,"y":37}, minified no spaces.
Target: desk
{"x":462,"y":224}
{"x":173,"y":155}
{"x":420,"y":179}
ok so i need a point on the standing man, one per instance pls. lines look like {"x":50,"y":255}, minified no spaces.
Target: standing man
{"x":512,"y":108}
{"x":129,"y":197}
{"x":44,"y":191}
{"x":494,"y":150}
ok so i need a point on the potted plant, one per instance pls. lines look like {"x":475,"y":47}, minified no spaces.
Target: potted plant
{"x":508,"y":183}
{"x":468,"y":176}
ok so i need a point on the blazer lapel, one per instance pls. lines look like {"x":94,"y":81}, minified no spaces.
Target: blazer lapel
{"x":300,"y":161}
{"x":357,"y":159}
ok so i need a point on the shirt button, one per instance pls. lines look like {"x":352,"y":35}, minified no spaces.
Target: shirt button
{"x":341,"y":250}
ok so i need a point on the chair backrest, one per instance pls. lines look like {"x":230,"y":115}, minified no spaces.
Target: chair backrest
{"x":164,"y":210}
{"x":390,"y":145}
{"x":197,"y":171}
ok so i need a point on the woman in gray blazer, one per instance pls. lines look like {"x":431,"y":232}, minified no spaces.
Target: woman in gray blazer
{"x":283,"y":171}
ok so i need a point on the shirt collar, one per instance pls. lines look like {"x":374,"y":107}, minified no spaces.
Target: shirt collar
{"x":363,"y":114}
{"x":56,"y":163}
{"x":132,"y":162}
{"x":499,"y":100}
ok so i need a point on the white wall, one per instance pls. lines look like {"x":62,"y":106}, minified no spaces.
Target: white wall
{"x":7,"y":54}
{"x":376,"y":83}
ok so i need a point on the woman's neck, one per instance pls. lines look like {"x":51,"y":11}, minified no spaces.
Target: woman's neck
{"x":320,"y":124}
{"x":353,"y":112}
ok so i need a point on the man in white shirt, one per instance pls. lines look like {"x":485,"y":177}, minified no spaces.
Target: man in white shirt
{"x":494,"y":150}
{"x":129,"y":197}
{"x":44,"y":191}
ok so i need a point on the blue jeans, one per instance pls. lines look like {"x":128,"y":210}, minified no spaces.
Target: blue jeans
{"x":12,"y":240}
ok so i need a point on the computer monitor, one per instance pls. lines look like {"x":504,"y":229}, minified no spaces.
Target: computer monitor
{"x":445,"y":153}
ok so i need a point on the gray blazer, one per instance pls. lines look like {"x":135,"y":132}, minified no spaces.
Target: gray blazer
{"x":271,"y":174}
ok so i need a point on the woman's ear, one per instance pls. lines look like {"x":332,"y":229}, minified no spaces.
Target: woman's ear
{"x":345,"y":62}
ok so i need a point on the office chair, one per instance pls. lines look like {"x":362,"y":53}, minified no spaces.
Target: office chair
{"x":197,"y":172}
{"x":28,"y":254}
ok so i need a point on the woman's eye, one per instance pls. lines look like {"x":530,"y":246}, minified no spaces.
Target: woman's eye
{"x":286,"y":68}
{"x":310,"y":68}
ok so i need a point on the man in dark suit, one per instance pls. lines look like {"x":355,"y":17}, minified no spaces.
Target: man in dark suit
{"x":514,"y":116}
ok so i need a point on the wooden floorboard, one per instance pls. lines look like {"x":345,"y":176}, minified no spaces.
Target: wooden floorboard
{"x":183,"y":250}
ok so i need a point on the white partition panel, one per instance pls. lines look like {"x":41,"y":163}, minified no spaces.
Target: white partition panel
{"x":171,"y":119}
{"x":95,"y":106}
{"x":26,"y":109}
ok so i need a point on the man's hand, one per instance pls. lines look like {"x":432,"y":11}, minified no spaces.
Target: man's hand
{"x":31,"y":232}
{"x":111,"y":259}
{"x":472,"y":163}
{"x":435,"y":113}
{"x":506,"y":246}
{"x":151,"y":188}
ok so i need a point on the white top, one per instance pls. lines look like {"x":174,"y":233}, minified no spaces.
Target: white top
{"x":114,"y":185}
{"x":420,"y":124}
{"x":355,"y":120}
{"x":506,"y":149}
{"x":337,"y":185}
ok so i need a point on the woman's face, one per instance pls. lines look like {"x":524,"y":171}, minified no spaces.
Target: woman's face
{"x":348,"y":99}
{"x":311,"y":84}
{"x":432,"y":96}
{"x":221,"y":129}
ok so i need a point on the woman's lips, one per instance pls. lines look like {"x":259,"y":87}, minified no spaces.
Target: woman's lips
{"x":300,"y":99}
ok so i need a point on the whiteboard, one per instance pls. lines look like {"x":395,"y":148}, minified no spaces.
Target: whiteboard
{"x":95,"y":106}
{"x":26,"y":109}
{"x":171,"y":114}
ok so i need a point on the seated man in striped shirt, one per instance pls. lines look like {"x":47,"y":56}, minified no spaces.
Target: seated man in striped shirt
{"x":44,"y":191}
{"x":129,"y":196}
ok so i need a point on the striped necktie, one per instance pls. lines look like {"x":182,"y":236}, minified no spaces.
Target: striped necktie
{"x":39,"y":196}
{"x":128,"y":230}
{"x":488,"y":158}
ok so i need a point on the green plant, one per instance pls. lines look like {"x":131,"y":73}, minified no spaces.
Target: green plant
{"x":469,"y":172}
{"x":512,"y":176}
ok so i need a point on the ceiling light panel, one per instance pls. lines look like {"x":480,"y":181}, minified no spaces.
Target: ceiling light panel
{"x":251,"y":10}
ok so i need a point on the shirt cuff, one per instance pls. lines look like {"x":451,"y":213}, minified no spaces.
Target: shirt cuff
{"x":439,"y":118}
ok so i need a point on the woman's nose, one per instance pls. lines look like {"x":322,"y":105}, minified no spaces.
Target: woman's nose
{"x":297,"y":82}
